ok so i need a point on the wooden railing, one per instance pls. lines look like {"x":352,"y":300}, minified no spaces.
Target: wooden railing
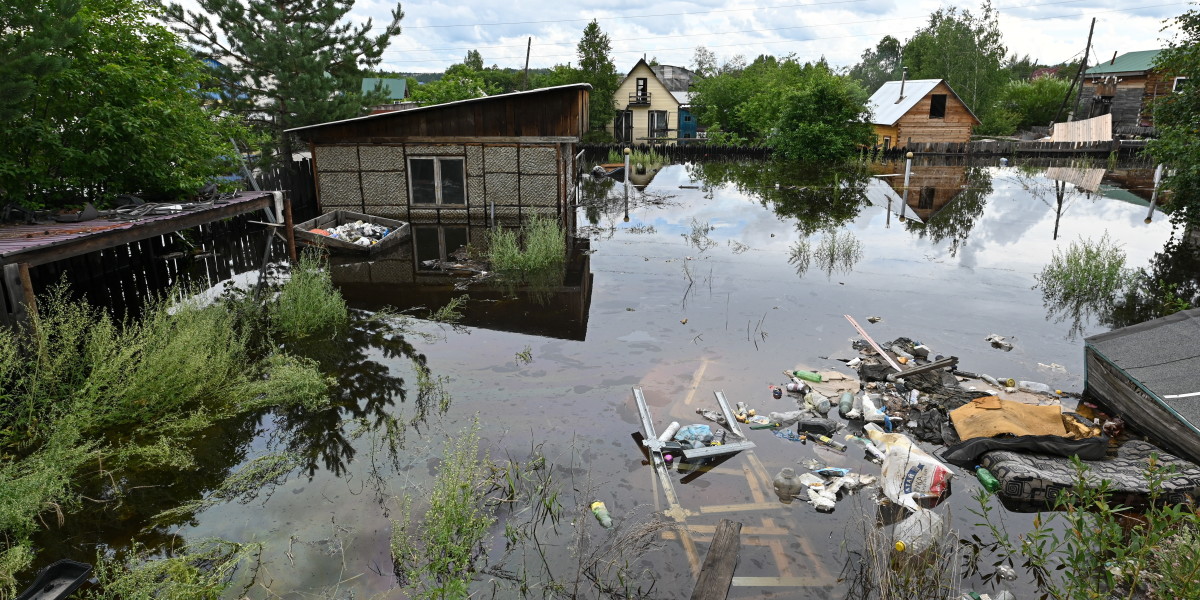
{"x":639,"y":98}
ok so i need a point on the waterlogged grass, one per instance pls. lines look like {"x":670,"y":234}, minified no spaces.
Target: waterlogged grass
{"x":308,"y":303}
{"x":836,"y":251}
{"x":1083,"y":280}
{"x":539,"y":263}
{"x":85,"y":399}
{"x":201,"y":571}
{"x":436,"y":556}
{"x":636,"y":157}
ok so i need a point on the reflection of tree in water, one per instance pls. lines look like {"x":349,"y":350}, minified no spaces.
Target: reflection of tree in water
{"x":1081,"y":281}
{"x":836,"y":251}
{"x":819,"y":197}
{"x":363,"y":390}
{"x":1171,"y":282}
{"x":596,"y":194}
{"x":956,"y":220}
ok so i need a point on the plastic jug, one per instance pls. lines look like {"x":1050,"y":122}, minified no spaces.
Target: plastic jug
{"x":787,"y":485}
{"x":919,"y":531}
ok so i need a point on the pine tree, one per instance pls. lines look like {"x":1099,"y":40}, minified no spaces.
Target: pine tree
{"x":597,"y":68}
{"x":286,"y":63}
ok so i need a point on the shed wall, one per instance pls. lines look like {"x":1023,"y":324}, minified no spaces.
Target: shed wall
{"x":916,"y":126}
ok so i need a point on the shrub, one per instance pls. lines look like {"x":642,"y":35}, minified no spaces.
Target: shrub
{"x":308,"y":303}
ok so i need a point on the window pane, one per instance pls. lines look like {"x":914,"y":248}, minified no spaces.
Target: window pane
{"x":937,"y":106}
{"x":453,"y":191}
{"x":456,"y":237}
{"x":420,"y":173}
{"x":428,"y":247}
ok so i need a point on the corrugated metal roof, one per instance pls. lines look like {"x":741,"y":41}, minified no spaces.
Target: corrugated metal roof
{"x":683,"y":98}
{"x":1130,"y":62}
{"x":885,"y":110}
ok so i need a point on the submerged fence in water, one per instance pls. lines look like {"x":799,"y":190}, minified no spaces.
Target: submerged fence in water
{"x":697,"y":150}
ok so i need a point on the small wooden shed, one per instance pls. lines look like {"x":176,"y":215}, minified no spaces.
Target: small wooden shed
{"x":1149,"y":375}
{"x":454,"y":170}
{"x":918,"y":111}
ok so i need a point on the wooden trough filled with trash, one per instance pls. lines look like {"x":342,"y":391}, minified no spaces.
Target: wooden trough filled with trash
{"x":351,"y":232}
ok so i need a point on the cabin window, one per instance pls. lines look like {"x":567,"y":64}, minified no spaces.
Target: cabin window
{"x":887,"y":143}
{"x":437,"y":243}
{"x":1180,"y":84}
{"x":658,"y":123}
{"x":641,"y":92}
{"x":925,"y":200}
{"x":437,"y":180}
{"x":937,"y":106}
{"x":687,"y":118}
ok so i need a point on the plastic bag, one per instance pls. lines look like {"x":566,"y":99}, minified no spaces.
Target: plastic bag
{"x":698,"y":435}
{"x":910,"y":473}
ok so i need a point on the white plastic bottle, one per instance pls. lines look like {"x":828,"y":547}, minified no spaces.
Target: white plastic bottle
{"x":919,"y":531}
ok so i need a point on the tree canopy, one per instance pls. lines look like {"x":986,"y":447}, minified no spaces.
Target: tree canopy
{"x":964,"y":49}
{"x":460,"y":82}
{"x":879,"y":65}
{"x":596,"y":67}
{"x":803,"y":110}
{"x":111,"y":103}
{"x":286,"y":63}
{"x":1177,"y":118}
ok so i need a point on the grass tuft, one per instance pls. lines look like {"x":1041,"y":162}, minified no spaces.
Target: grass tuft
{"x":308,"y":303}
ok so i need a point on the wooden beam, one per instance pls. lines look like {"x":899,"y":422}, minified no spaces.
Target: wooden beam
{"x":290,"y":232}
{"x":717,"y":573}
{"x":27,"y":296}
{"x":40,"y":255}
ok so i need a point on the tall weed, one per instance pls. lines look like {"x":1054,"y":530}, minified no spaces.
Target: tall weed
{"x":308,"y":302}
{"x":540,"y":264}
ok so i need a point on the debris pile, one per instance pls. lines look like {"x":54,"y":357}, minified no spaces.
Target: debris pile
{"x":359,"y":232}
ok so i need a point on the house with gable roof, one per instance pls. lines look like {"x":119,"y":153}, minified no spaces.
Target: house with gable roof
{"x":1126,"y":87}
{"x":648,"y":109}
{"x":916,"y":111}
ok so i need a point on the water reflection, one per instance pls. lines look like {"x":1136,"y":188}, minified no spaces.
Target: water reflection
{"x":819,"y":198}
{"x":837,"y":251}
{"x":949,"y":199}
{"x":1171,"y":282}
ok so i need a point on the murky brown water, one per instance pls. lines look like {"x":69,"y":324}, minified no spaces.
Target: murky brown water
{"x":681,"y":316}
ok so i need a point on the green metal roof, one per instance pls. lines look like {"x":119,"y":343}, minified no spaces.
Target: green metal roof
{"x":1142,"y":60}
{"x":393,"y":87}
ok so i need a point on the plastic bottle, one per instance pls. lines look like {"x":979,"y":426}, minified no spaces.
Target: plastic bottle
{"x":795,"y":386}
{"x":784,"y":419}
{"x":985,"y":477}
{"x":817,"y":402}
{"x":867,"y":445}
{"x":1035,"y":387}
{"x":807,"y":375}
{"x":711,"y":415}
{"x":919,"y":531}
{"x":787,"y":485}
{"x":836,"y":445}
{"x":845,"y":404}
{"x":898,"y":351}
{"x":821,"y":426}
{"x":602,"y":515}
{"x":669,"y":432}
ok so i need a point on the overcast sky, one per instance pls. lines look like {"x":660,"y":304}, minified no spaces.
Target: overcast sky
{"x":438,"y":34}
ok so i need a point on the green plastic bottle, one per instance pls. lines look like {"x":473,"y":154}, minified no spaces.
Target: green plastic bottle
{"x":985,"y":477}
{"x":807,"y":375}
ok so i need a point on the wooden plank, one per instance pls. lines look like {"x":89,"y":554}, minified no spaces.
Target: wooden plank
{"x":84,"y":243}
{"x":745,"y":506}
{"x":711,"y":451}
{"x":717,"y":573}
{"x":778,"y":582}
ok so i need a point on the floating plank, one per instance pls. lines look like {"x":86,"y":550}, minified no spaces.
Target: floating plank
{"x":728,"y":414}
{"x":745,"y":506}
{"x":717,"y":573}
{"x":711,"y":451}
{"x":778,"y":582}
{"x":891,"y":361}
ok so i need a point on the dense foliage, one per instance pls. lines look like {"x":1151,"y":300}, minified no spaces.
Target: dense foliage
{"x":597,"y":68}
{"x":804,"y":110}
{"x":98,"y":99}
{"x":1177,"y":118}
{"x":1022,"y":104}
{"x":286,"y":63}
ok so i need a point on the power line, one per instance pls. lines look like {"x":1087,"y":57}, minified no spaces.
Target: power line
{"x":764,"y":42}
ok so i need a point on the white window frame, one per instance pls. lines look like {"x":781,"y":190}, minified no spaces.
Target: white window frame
{"x":437,"y":180}
{"x":1175,"y":84}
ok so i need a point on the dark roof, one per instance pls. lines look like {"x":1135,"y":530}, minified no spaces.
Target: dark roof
{"x":545,"y":112}
{"x":1130,"y":62}
{"x":1162,"y":355}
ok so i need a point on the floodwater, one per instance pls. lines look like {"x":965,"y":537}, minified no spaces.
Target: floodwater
{"x":717,"y":281}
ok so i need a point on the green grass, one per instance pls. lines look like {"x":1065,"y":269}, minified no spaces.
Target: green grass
{"x":1083,"y":280}
{"x":1092,"y":546}
{"x":201,"y":571}
{"x":539,"y":263}
{"x":86,"y":398}
{"x":436,"y":557}
{"x":636,"y":157}
{"x":308,"y":303}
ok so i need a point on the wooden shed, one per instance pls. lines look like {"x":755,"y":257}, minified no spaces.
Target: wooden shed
{"x":1126,"y":87}
{"x":453,"y":170}
{"x":919,"y":111}
{"x":1149,"y":375}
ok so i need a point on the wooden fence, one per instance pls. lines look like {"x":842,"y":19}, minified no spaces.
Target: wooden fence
{"x":1096,"y":129}
{"x":296,"y":181}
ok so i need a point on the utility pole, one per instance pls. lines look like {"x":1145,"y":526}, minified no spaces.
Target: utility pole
{"x":529,"y":46}
{"x":1078,"y":75}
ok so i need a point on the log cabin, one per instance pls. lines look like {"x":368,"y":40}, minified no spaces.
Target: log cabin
{"x":919,"y":111}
